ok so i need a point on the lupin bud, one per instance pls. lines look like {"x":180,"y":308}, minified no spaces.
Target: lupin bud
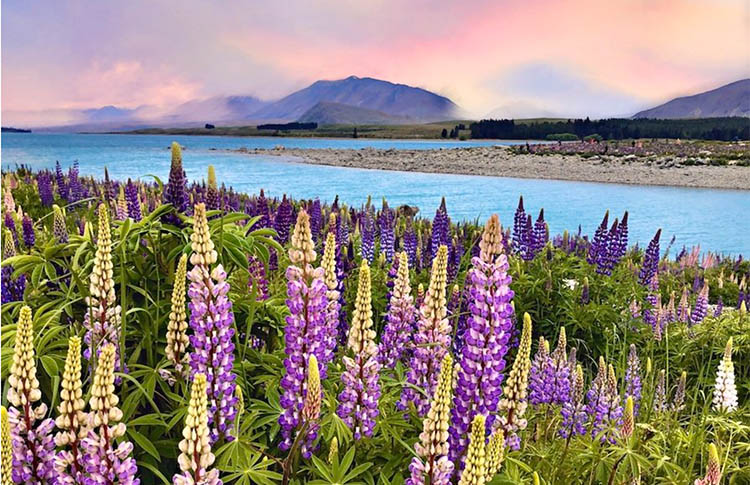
{"x":6,"y":448}
{"x":302,"y":250}
{"x":628,"y":422}
{"x":495,"y":453}
{"x":200,"y":241}
{"x":195,"y":446}
{"x":475,"y":471}
{"x":333,"y":451}
{"x":177,"y":339}
{"x":314,"y":395}
{"x":713,"y":468}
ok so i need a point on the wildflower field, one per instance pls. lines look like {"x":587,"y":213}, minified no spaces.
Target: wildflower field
{"x":180,"y":332}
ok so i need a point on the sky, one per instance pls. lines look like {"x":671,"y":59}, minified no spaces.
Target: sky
{"x":502,"y":57}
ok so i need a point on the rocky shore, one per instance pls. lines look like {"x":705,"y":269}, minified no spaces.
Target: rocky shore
{"x":500,"y":161}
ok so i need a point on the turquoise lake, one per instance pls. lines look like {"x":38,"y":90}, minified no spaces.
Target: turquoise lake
{"x":717,"y":220}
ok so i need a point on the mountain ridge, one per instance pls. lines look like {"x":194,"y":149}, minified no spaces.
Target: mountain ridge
{"x":730,"y":100}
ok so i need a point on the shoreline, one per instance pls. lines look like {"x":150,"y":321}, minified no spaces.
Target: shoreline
{"x":499,"y":161}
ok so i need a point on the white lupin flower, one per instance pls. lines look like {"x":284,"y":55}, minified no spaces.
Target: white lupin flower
{"x":725,"y":391}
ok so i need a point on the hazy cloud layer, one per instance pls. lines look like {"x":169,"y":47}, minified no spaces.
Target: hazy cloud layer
{"x":570,"y":57}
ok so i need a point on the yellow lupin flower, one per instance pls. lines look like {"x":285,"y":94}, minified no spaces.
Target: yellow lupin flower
{"x":204,"y":253}
{"x":492,"y":240}
{"x":176,"y":153}
{"x":713,"y":468}
{"x":103,"y":402}
{"x":212,"y":178}
{"x":314,"y":395}
{"x":434,"y":305}
{"x":628,"y":420}
{"x":495,"y":453}
{"x":743,"y":309}
{"x":433,"y":441}
{"x":195,"y":446}
{"x":122,"y":203}
{"x":102,"y":285}
{"x":328,"y":263}
{"x":475,"y":470}
{"x":361,"y":334}
{"x":302,"y":249}
{"x":333,"y":450}
{"x":6,"y":448}
{"x":71,"y":417}
{"x":9,"y":246}
{"x":513,"y":403}
{"x":402,"y":287}
{"x":177,"y":339}
{"x":23,"y":386}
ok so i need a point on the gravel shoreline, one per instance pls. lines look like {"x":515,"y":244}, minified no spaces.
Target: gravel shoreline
{"x":499,"y":161}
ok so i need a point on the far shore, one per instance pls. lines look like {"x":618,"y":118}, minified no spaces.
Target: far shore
{"x":500,"y":161}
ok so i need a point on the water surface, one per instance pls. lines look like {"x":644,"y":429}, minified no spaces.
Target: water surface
{"x":715,"y":219}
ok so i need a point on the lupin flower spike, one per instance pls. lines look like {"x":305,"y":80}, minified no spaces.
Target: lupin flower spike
{"x":358,"y":406}
{"x":399,"y":319}
{"x":71,"y":419}
{"x":59,"y":228}
{"x":333,"y":451}
{"x":177,"y":339}
{"x":196,"y":457}
{"x":6,"y":448}
{"x":302,"y":250}
{"x":495,"y":453}
{"x":432,"y":339}
{"x":314,"y":394}
{"x":514,"y":399}
{"x":475,"y":471}
{"x":491,"y":243}
{"x":725,"y":391}
{"x":200,"y":241}
{"x":713,"y":468}
{"x":432,"y":447}
{"x":628,"y":422}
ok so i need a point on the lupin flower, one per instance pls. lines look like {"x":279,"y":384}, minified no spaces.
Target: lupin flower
{"x":177,"y":339}
{"x":103,"y":318}
{"x":432,"y":465}
{"x":32,"y":442}
{"x":573,"y":411}
{"x":540,"y":234}
{"x":557,"y":374}
{"x":633,"y":378}
{"x":306,"y":332}
{"x":104,"y":461}
{"x":678,"y":402}
{"x":59,"y":227}
{"x":713,"y":468}
{"x":603,"y":402}
{"x":513,"y":404}
{"x":399,"y":319}
{"x":683,"y":310}
{"x":650,"y":260}
{"x":441,"y":229}
{"x":175,"y":192}
{"x":71,"y":419}
{"x":283,"y":220}
{"x":489,"y":326}
{"x":121,"y":206}
{"x":520,"y":230}
{"x":599,"y":248}
{"x":316,"y":219}
{"x":6,"y":449}
{"x":628,"y":422}
{"x":367,"y":227}
{"x":196,"y":457}
{"x":495,"y":453}
{"x":211,"y":319}
{"x":432,"y":340}
{"x":333,"y":295}
{"x":44,"y":185}
{"x":475,"y":471}
{"x":660,"y":393}
{"x":134,"y":205}
{"x":701,"y":306}
{"x":27,"y":225}
{"x":387,"y":236}
{"x":212,"y":190}
{"x":410,"y":242}
{"x":725,"y":391}
{"x":12,"y":289}
{"x":358,"y":402}
{"x":539,"y":388}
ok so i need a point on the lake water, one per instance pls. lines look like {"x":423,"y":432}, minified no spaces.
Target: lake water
{"x":715,"y":219}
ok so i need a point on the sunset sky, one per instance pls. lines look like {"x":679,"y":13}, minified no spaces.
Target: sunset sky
{"x":514,"y":57}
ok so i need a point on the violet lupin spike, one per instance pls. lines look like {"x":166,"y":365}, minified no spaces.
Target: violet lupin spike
{"x":399,"y":319}
{"x":633,"y":378}
{"x":211,"y":320}
{"x":573,"y":411}
{"x":431,"y":341}
{"x":701,"y":306}
{"x":134,"y":204}
{"x":175,"y":192}
{"x":519,"y":228}
{"x":358,"y":406}
{"x":650,"y":260}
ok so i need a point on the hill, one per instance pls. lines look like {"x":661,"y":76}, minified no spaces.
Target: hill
{"x":326,"y":113}
{"x":730,"y":100}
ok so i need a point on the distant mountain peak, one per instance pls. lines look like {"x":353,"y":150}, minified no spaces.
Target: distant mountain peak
{"x":732,"y":99}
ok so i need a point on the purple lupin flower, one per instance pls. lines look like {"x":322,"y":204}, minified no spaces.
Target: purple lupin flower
{"x":633,"y":379}
{"x":557,"y":374}
{"x":367,"y":228}
{"x":316,"y":219}
{"x":719,"y":308}
{"x":283,"y":220}
{"x":650,"y":260}
{"x":399,"y":319}
{"x":74,"y":184}
{"x":306,"y":332}
{"x":358,"y":402}
{"x":175,"y":192}
{"x":10,"y":225}
{"x":540,"y":234}
{"x":44,"y":184}
{"x":683,"y":309}
{"x":622,"y":238}
{"x":134,"y":205}
{"x":410,"y":242}
{"x":540,"y":390}
{"x":263,"y":210}
{"x":62,"y":188}
{"x":603,"y":403}
{"x":701,"y":306}
{"x":211,"y":319}
{"x":257,"y":280}
{"x":519,"y":229}
{"x":441,"y":229}
{"x":651,"y":314}
{"x":528,"y":250}
{"x":599,"y":243}
{"x":573,"y":411}
{"x":489,"y":326}
{"x":607,"y":258}
{"x":387,"y":236}
{"x":431,"y":342}
{"x":29,"y":237}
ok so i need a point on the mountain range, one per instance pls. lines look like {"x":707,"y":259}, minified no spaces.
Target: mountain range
{"x":352,"y":100}
{"x":730,"y":100}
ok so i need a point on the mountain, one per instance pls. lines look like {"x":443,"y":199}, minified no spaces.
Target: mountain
{"x":371,"y":94}
{"x":730,"y":100}
{"x":218,"y":108}
{"x":326,"y":113}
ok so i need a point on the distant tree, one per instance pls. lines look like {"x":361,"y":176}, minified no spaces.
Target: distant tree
{"x":444,"y":133}
{"x":354,"y":134}
{"x":209,"y":126}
